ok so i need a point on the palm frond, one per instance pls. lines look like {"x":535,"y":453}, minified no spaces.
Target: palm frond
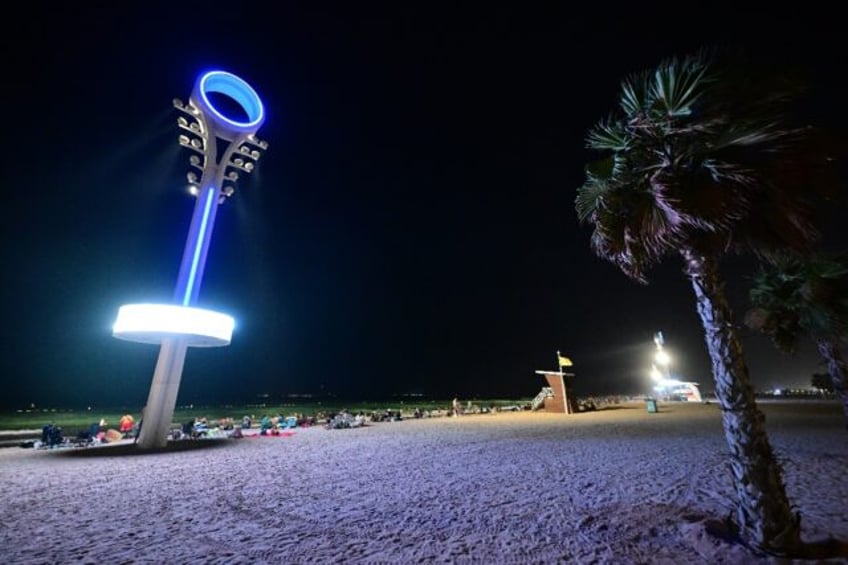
{"x":803,"y":295}
{"x":748,"y":134}
{"x":590,"y":198}
{"x":607,"y":135}
{"x":634,"y":93}
{"x":679,"y":84}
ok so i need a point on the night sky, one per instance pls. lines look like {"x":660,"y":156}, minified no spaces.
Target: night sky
{"x":411,"y":228}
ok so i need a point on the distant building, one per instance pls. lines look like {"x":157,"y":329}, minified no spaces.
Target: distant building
{"x":680,"y":390}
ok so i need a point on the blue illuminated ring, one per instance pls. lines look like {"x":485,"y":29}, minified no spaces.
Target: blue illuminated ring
{"x":230,"y":85}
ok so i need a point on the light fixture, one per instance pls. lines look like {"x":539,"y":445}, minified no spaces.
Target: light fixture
{"x":238,"y":90}
{"x":263,"y":145}
{"x":152,"y":323}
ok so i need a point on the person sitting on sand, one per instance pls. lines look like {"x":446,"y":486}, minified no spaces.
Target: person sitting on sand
{"x":200,"y":428}
{"x":125,"y":424}
{"x":359,"y":419}
{"x":188,"y":428}
{"x":264,"y":425}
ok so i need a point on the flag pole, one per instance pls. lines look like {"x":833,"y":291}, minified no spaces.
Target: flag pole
{"x":562,"y":381}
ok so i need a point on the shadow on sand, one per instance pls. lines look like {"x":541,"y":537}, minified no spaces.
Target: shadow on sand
{"x":829,"y":548}
{"x":125,"y":449}
{"x":614,"y":407}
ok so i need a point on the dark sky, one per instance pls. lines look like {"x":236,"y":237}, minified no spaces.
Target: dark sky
{"x":411,"y":228}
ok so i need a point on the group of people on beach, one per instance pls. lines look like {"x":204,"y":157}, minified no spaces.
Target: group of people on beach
{"x":200,"y":427}
{"x":53,"y":436}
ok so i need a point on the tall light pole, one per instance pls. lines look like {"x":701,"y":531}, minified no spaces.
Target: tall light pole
{"x":663,"y":360}
{"x":181,"y":325}
{"x":661,"y":356}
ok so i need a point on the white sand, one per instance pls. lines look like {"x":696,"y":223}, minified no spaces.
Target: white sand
{"x":614,"y":486}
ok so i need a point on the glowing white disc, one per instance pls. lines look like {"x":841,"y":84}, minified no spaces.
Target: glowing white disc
{"x":151,"y":323}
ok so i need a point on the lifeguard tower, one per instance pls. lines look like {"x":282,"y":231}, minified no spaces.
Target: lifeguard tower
{"x":558,"y":397}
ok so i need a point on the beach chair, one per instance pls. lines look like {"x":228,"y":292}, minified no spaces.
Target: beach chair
{"x":89,"y":436}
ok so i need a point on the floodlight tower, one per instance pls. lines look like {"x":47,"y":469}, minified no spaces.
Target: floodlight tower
{"x":221,"y":148}
{"x":661,"y":356}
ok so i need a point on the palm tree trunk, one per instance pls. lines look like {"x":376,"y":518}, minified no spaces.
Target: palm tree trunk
{"x":763,"y":513}
{"x":830,"y":352}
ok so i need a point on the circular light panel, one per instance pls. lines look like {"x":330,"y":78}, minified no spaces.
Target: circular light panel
{"x":151,"y":323}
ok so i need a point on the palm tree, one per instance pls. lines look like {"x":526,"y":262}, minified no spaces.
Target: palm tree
{"x":697,"y":162}
{"x":805,"y":295}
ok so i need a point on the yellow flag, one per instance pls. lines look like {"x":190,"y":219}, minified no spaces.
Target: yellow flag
{"x":564,"y":361}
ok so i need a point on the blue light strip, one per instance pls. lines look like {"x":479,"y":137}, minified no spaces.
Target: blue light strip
{"x":198,"y":244}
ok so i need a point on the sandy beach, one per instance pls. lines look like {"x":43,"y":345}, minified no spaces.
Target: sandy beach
{"x":619,"y":485}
